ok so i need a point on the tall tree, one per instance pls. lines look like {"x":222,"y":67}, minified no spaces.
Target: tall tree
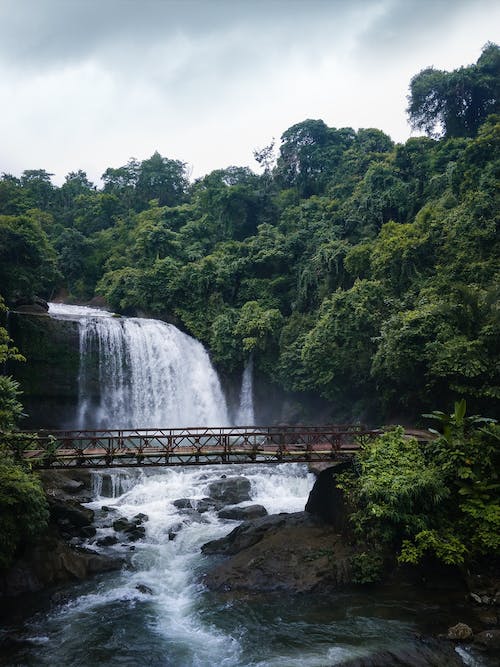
{"x":456,"y":103}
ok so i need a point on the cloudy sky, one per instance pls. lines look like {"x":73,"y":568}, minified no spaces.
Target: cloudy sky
{"x":87,"y":84}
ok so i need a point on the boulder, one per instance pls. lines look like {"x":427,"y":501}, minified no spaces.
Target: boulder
{"x":183,"y":503}
{"x":135,"y":533}
{"x":230,"y":490}
{"x":107,"y":541}
{"x":326,"y":500}
{"x":459,"y":632}
{"x":52,"y":561}
{"x":421,"y":653}
{"x":242,"y":513}
{"x":67,"y":484}
{"x":69,"y":514}
{"x":294,"y":553}
{"x":207,"y":504}
{"x":34,"y":305}
{"x":133,"y":529}
{"x":122,"y":524}
{"x":145,"y":590}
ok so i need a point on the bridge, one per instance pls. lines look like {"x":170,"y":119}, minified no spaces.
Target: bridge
{"x":190,"y":446}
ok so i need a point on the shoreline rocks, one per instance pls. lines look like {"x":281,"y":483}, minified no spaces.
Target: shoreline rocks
{"x":56,"y":557}
{"x":296,"y":553}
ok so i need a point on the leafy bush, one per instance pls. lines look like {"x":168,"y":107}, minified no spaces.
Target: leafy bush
{"x":439,"y":499}
{"x":23,"y":509}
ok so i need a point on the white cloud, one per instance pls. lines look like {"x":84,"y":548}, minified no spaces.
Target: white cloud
{"x":89,"y":84}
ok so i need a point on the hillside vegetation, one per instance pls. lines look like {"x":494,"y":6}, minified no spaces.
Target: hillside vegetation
{"x":358,"y":269}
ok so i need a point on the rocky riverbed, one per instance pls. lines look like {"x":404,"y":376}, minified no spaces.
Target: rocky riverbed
{"x":298,"y":554}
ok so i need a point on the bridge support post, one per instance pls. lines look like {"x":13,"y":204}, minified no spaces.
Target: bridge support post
{"x":227,"y":448}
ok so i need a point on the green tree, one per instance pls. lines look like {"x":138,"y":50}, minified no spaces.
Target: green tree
{"x":456,"y":103}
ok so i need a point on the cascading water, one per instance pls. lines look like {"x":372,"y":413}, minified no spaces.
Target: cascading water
{"x":138,"y":373}
{"x":156,"y":611}
{"x":246,"y":413}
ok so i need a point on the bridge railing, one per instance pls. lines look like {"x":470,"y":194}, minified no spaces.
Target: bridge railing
{"x":192,"y":446}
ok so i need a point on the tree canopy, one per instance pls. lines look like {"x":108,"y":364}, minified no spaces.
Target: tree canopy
{"x":352,"y":268}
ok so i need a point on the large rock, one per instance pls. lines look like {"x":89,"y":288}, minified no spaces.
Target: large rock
{"x":52,"y":561}
{"x":67,"y":484}
{"x":230,"y":490}
{"x":326,"y":500}
{"x":50,"y":380}
{"x":133,"y":528}
{"x":72,"y":518}
{"x":242,"y":513}
{"x":423,"y":653}
{"x":459,"y":632}
{"x":295,"y":553}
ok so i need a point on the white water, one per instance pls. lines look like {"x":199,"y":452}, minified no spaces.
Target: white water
{"x":246,"y":413}
{"x":170,"y":619}
{"x":140,"y":373}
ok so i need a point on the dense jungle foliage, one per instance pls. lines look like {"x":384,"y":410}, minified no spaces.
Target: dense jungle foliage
{"x":422,"y":502}
{"x":354,"y":268}
{"x":23,"y":507}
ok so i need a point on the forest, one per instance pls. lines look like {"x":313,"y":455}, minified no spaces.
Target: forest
{"x":352,"y":268}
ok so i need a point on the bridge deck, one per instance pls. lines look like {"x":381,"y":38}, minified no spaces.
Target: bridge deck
{"x":193,"y":446}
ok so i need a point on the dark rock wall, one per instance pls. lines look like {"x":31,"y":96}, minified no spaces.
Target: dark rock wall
{"x":49,"y":377}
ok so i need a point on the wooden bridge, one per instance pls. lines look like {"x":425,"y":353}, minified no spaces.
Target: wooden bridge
{"x":189,"y":446}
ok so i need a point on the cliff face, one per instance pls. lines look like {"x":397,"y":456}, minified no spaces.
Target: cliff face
{"x":49,"y":378}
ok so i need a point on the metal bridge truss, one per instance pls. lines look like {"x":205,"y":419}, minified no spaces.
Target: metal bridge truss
{"x":192,"y":446}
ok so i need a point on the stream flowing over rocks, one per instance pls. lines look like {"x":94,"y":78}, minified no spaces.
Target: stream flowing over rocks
{"x":196,"y":587}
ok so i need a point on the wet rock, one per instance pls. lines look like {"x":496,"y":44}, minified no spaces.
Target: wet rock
{"x":135,"y":533}
{"x":459,"y":632}
{"x":173,"y":530}
{"x":52,"y":561}
{"x":67,"y":484}
{"x":487,"y":618}
{"x":294,"y":553}
{"x":87,"y":531}
{"x":12,"y":642}
{"x":107,"y":541}
{"x":242,"y":513}
{"x":206,"y":505}
{"x":326,"y":500}
{"x":192,"y":516}
{"x":488,"y":640}
{"x":142,"y":588}
{"x":70,"y":511}
{"x":230,"y":490}
{"x":107,"y":509}
{"x":140,"y":518}
{"x":251,"y":532}
{"x":183,"y":503}
{"x":35,"y":305}
{"x":423,"y":653}
{"x":132,"y":528}
{"x":122,"y":524}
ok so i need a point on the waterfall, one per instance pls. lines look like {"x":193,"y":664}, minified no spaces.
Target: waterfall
{"x":246,"y":414}
{"x":141,"y":373}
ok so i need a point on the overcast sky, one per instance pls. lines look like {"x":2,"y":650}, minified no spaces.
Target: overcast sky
{"x":87,"y":84}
